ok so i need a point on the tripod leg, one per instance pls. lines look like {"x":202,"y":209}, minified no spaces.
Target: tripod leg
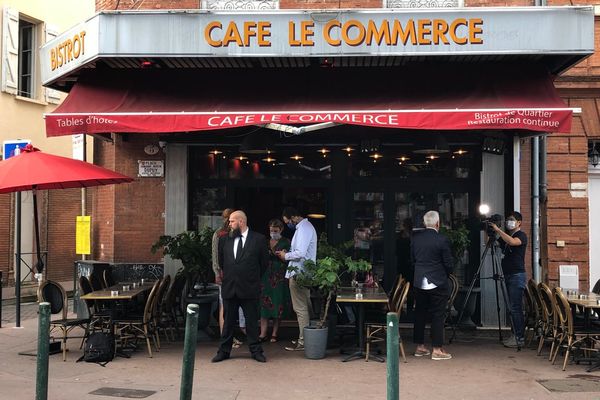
{"x":475,"y":279}
{"x":496,"y":278}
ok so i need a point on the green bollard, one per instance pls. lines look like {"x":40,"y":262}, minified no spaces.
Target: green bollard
{"x":41,"y":380}
{"x":189,"y":352}
{"x":393,"y":374}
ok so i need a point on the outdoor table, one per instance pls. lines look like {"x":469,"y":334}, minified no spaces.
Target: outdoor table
{"x":369,"y":296}
{"x":105,"y":294}
{"x":123,"y":295}
{"x":588,"y":304}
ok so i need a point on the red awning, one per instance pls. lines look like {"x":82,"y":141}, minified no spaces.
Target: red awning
{"x":444,"y":97}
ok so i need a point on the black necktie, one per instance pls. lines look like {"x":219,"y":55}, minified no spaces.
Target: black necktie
{"x":238,"y":252}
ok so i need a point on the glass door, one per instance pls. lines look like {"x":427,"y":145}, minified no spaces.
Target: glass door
{"x":368,"y":228}
{"x":409,"y":211}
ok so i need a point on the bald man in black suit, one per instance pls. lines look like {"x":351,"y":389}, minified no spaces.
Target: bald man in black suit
{"x":243,"y":258}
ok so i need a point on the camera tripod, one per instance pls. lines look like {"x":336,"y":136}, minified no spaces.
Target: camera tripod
{"x":498,"y":278}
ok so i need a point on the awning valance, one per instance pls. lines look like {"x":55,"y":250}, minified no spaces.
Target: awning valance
{"x":419,"y":97}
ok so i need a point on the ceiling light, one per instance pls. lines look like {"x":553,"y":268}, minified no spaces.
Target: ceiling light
{"x":215,"y":152}
{"x":316,"y":216}
{"x":269,"y":159}
{"x":296,"y":157}
{"x":323,"y":151}
{"x":242,"y":158}
{"x":348,"y":149}
{"x":376,"y":156}
{"x":403,"y":158}
{"x":432,"y":157}
{"x":460,"y":152}
{"x":432,"y":145}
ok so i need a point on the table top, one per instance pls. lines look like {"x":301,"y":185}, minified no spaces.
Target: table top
{"x":105,"y":294}
{"x":591,"y":300}
{"x":370,"y":295}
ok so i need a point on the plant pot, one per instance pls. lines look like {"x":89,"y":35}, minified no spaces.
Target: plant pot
{"x":204,"y":302}
{"x":315,"y":342}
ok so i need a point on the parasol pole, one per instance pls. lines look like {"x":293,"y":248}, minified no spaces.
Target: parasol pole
{"x":40,"y":263}
{"x":18,"y":259}
{"x":83,"y":190}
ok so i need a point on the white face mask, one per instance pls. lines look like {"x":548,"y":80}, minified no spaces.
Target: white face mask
{"x":510,"y":224}
{"x":275,"y":235}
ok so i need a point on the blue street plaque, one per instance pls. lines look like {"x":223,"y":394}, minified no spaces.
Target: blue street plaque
{"x":9,"y":147}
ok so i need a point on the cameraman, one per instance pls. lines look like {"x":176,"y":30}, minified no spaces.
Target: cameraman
{"x":513,"y":245}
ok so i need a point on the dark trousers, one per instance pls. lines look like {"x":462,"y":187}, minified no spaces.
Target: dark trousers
{"x":515,"y":285}
{"x":430,"y":302}
{"x":230,"y":316}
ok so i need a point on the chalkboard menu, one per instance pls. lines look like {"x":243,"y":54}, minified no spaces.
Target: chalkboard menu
{"x":130,"y":272}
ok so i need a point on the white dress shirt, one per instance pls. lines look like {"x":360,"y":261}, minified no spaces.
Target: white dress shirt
{"x":235,"y":242}
{"x":303,"y":246}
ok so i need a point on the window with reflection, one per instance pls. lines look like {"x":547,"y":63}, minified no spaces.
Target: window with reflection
{"x":286,"y":163}
{"x":393,"y":163}
{"x":367,"y":216}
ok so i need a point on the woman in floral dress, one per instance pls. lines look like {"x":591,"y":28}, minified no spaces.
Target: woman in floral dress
{"x":275,"y":301}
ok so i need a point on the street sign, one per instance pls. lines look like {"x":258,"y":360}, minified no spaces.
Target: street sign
{"x":9,"y":147}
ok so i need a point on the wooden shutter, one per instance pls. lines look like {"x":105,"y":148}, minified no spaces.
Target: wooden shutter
{"x":10,"y":50}
{"x":52,"y":96}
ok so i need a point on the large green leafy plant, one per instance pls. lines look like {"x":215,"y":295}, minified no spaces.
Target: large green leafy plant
{"x":322,"y":276}
{"x":459,"y":241}
{"x":194,"y":249}
{"x":325,"y":275}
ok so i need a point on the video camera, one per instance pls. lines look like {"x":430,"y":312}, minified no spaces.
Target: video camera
{"x":486,"y":222}
{"x":495,"y":219}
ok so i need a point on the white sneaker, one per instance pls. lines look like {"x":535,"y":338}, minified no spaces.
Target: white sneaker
{"x":513,"y":342}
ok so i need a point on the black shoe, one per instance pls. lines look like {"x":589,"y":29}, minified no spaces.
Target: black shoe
{"x":260,"y":357}
{"x":220,"y":357}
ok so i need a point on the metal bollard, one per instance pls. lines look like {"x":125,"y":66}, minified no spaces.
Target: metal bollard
{"x":41,"y":380}
{"x":393,"y":374}
{"x":189,"y":352}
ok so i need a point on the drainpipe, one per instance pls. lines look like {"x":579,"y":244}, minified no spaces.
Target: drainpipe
{"x":535,"y":207}
{"x":538,"y":180}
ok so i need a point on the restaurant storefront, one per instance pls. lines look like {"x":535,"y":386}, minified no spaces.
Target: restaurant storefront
{"x":364,"y":119}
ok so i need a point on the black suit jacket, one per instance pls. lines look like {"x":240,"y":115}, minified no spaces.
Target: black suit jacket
{"x":431,"y":254}
{"x":241,"y":277}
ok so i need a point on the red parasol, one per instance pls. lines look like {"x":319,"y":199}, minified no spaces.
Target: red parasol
{"x":35,"y":170}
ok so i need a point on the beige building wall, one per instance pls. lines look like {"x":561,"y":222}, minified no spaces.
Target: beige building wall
{"x":23,"y":118}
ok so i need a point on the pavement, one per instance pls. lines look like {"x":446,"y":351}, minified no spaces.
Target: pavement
{"x":480,"y":369}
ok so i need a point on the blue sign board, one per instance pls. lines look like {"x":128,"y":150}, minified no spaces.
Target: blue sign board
{"x":9,"y":147}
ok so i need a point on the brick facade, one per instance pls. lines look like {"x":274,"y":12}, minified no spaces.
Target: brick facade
{"x":563,"y":217}
{"x":129,"y":216}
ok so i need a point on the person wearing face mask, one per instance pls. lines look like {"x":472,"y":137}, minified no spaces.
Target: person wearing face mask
{"x":513,"y":244}
{"x":275,"y":297}
{"x":303,"y":247}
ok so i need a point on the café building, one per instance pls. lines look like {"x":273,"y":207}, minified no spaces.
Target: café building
{"x":364,"y":119}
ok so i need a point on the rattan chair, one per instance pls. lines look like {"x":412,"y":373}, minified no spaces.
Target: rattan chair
{"x":54,"y":293}
{"x":454,"y":286}
{"x":158,"y":310}
{"x":376,"y":332}
{"x":569,"y":336}
{"x":142,"y":326}
{"x":108,"y":278}
{"x":550,"y":323}
{"x":535,"y":317}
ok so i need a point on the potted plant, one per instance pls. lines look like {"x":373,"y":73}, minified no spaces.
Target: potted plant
{"x":194,"y":250}
{"x":324,"y":278}
{"x":459,"y":243}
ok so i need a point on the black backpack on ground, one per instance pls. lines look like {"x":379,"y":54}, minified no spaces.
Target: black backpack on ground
{"x":99,"y":348}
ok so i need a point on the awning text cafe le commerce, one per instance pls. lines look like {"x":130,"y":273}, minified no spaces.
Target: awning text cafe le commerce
{"x":363,"y":118}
